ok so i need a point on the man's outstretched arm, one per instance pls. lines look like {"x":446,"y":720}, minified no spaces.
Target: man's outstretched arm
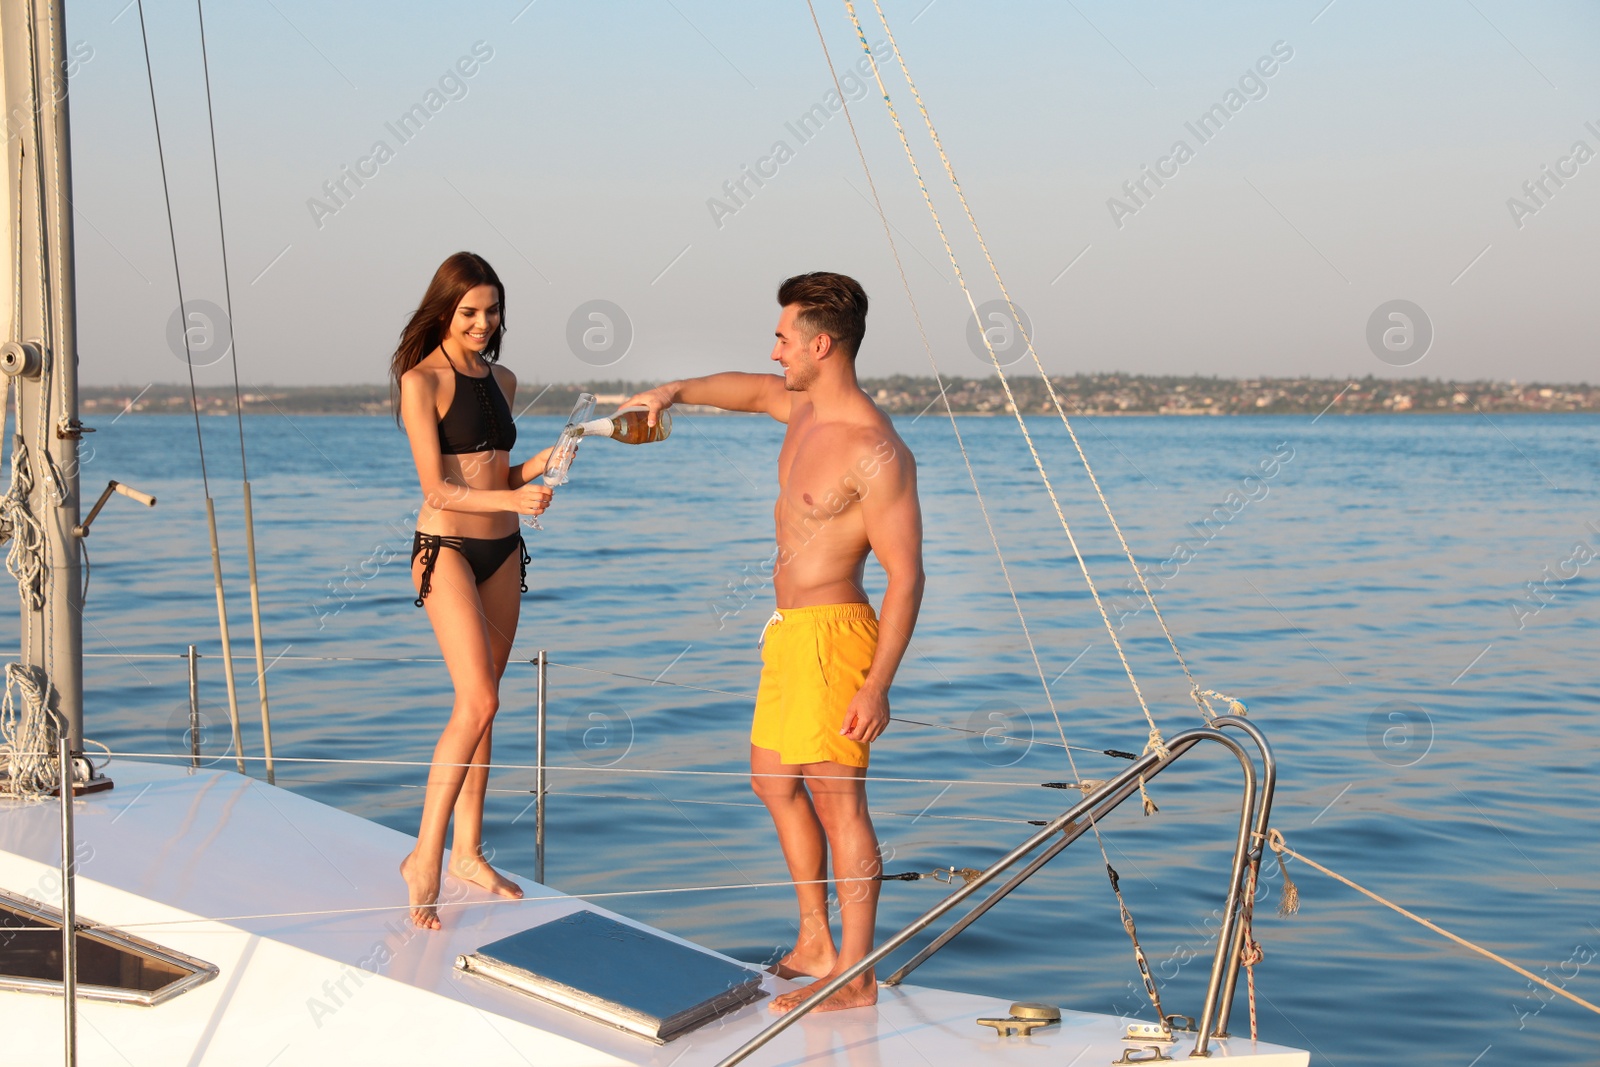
{"x":731,"y":391}
{"x":894,"y":530}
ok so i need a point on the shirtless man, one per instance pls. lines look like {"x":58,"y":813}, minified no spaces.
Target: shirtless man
{"x":847,"y":485}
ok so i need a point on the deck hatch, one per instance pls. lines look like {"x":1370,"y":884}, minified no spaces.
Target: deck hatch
{"x":112,"y":965}
{"x":620,"y":975}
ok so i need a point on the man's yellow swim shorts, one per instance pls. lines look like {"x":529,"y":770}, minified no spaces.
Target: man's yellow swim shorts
{"x":813,"y":661}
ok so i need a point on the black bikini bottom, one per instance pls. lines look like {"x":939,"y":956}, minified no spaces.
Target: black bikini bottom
{"x":483,"y":554}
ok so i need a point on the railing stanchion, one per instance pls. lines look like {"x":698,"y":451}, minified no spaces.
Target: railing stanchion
{"x":542,"y":659}
{"x":194,"y":707}
{"x":1269,"y":784}
{"x":69,"y":910}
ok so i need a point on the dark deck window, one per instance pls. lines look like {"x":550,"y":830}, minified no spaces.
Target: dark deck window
{"x":112,"y":965}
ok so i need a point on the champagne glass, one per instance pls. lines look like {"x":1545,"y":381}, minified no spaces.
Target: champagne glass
{"x":555,"y":471}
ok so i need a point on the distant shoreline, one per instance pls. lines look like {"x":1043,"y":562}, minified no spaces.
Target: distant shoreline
{"x":1090,"y":394}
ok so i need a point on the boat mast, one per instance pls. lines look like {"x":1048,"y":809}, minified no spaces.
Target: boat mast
{"x":41,"y":351}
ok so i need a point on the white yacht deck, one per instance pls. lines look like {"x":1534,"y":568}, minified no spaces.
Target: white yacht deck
{"x":185,"y":858}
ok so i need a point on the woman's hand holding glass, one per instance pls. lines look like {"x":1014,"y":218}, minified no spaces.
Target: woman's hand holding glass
{"x":530,"y":504}
{"x":557,"y":459}
{"x":529,"y":500}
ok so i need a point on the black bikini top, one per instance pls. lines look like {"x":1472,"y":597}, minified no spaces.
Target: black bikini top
{"x":479,"y":418}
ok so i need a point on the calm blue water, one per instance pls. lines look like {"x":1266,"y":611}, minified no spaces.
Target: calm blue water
{"x":1360,"y":600}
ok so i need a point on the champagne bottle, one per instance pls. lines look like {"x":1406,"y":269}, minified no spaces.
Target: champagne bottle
{"x":631,"y":426}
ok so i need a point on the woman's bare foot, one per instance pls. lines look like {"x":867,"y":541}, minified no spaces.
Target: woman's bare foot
{"x":422,"y":889}
{"x":476,"y":870}
{"x":859,"y":992}
{"x":799,"y":962}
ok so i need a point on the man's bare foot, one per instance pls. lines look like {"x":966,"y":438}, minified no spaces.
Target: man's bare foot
{"x":476,"y":870}
{"x":860,"y":992}
{"x":422,"y":890}
{"x":805,"y":962}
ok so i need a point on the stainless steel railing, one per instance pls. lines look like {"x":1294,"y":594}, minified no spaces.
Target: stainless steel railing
{"x":1097,"y":805}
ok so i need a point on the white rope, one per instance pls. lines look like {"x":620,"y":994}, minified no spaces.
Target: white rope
{"x":28,"y":733}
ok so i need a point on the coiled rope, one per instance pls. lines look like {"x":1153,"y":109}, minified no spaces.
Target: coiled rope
{"x":29,"y":732}
{"x":26,"y":560}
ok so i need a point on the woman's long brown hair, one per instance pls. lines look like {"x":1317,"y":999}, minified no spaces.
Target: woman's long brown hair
{"x":456,"y":277}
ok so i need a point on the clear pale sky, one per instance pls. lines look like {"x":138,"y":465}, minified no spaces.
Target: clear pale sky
{"x":1375,"y":163}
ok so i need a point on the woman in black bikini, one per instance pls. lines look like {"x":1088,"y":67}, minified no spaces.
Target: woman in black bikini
{"x":468,"y":561}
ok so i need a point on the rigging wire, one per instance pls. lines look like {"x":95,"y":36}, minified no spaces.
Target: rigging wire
{"x":927,"y":346}
{"x":1155,"y":742}
{"x":238,"y":409}
{"x":1194,"y":687}
{"x":194,"y":404}
{"x":177,"y":272}
{"x":222,"y":235}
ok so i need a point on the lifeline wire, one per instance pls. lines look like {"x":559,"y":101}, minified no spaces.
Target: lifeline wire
{"x":596,"y":770}
{"x":154,"y":923}
{"x":505,"y":791}
{"x":1112,"y":752}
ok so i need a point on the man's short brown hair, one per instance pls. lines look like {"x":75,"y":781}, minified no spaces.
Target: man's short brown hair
{"x":829,"y":303}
